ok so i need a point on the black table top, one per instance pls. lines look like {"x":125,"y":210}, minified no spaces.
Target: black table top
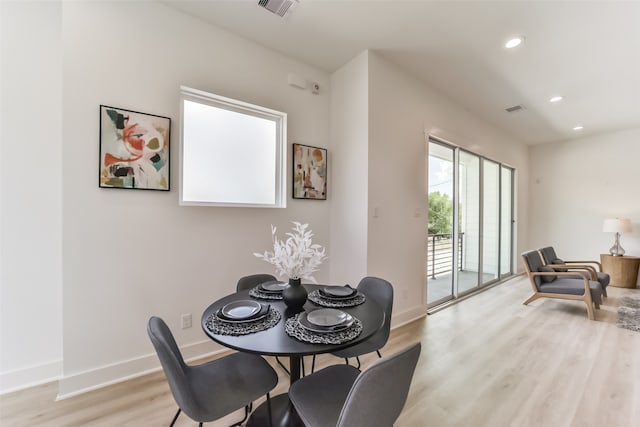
{"x":276,"y":342}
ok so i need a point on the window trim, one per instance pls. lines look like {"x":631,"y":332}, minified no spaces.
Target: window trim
{"x":280,"y":119}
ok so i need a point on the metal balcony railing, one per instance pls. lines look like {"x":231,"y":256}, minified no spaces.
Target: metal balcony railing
{"x":440,"y":248}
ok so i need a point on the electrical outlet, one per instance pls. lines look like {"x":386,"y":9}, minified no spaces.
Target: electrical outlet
{"x":186,"y":321}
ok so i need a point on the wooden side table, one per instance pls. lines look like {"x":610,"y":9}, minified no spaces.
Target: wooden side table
{"x":622,"y":269}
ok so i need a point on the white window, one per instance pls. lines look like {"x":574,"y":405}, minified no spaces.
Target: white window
{"x":232,"y":153}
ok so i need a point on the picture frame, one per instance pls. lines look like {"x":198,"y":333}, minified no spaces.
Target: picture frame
{"x":309,"y":172}
{"x":134,"y":150}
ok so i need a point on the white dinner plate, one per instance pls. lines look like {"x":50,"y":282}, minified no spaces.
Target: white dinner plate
{"x":240,"y":310}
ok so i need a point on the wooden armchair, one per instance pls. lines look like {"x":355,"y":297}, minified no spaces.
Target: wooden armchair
{"x":548,"y":283}
{"x":594,"y":267}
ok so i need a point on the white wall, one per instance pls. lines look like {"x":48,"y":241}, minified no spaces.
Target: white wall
{"x":575,"y":185}
{"x":126,"y":254}
{"x":397,"y":163}
{"x":349,"y":171}
{"x":129,"y":254}
{"x":30,"y":193}
{"x":401,"y":109}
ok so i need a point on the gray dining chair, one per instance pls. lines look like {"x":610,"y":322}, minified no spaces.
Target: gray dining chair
{"x":342,"y":396}
{"x":381,"y":292}
{"x":214,"y":389}
{"x":249,"y":282}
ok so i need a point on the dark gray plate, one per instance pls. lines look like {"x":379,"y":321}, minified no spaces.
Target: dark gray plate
{"x":338,"y":292}
{"x":273,"y":287}
{"x":305,"y":323}
{"x":240,"y":310}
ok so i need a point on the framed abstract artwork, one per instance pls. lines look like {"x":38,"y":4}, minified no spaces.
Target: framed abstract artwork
{"x":134,"y":149}
{"x":309,"y":172}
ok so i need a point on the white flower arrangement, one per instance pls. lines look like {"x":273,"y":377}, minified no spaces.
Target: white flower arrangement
{"x":296,"y":257}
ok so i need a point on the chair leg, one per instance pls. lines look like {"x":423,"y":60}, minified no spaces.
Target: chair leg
{"x":246,"y":415}
{"x":531,"y":299}
{"x":282,"y":366}
{"x":313,"y":364}
{"x":175,"y":418}
{"x":358,"y":359}
{"x":379,"y":355}
{"x":269,"y":410}
{"x":590,"y":313}
{"x":346,"y":360}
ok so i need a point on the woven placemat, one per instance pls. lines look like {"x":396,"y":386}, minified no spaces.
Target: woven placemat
{"x":296,"y":330}
{"x":219,"y":327}
{"x":258,"y":294}
{"x":317,"y":298}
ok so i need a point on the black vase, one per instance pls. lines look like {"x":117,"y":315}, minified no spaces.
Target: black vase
{"x":294,"y":295}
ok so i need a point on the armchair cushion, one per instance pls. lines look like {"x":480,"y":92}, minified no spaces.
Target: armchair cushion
{"x":533,"y":261}
{"x":603,"y":278}
{"x":574,"y":287}
{"x":559,"y":261}
{"x":545,"y":278}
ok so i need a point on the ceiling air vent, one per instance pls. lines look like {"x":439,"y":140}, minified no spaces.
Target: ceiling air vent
{"x":279,"y":7}
{"x":514,"y":108}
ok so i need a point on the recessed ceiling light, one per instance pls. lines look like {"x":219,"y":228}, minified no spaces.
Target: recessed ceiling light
{"x":513,"y":42}
{"x":579,"y":127}
{"x":555,"y":98}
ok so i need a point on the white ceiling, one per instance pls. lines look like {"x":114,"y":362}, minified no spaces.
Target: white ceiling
{"x":587,"y":51}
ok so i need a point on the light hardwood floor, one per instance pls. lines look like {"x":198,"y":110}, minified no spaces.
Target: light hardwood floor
{"x":487,"y":361}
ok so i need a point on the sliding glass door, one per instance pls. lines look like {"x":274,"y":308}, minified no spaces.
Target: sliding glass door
{"x":469,"y":220}
{"x":506,"y":221}
{"x":470,"y":229}
{"x":490,"y":221}
{"x":440,"y":249}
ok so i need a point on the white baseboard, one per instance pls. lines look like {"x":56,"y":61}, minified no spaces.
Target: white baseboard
{"x":408,"y":316}
{"x":74,"y":384}
{"x":82,"y":382}
{"x":30,"y":377}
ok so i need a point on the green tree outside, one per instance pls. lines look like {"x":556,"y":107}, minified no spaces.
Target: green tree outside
{"x":440,"y":213}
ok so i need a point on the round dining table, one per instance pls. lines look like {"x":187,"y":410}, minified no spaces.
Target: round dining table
{"x":276,"y":342}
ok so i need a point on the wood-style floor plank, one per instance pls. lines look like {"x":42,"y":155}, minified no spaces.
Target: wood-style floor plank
{"x":486,"y":361}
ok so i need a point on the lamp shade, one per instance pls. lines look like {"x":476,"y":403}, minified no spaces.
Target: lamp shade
{"x":617,"y":225}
